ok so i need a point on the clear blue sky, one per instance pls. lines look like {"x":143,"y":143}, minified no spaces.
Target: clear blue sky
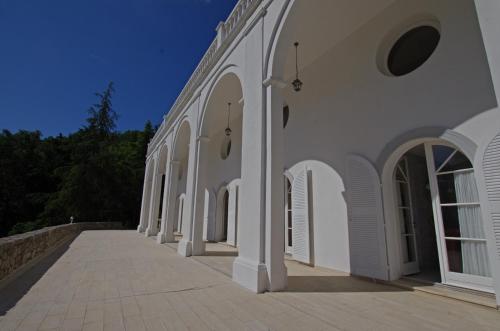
{"x":55,"y":54}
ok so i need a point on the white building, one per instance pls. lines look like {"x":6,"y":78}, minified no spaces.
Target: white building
{"x":386,"y":163}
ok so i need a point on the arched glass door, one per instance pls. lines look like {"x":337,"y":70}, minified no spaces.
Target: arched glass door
{"x":438,"y":176}
{"x":464,"y":258}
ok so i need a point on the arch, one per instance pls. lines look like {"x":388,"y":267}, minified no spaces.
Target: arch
{"x":162,"y":158}
{"x":182,"y":137}
{"x":227,"y":87}
{"x":226,"y":70}
{"x":449,"y":138}
{"x":271,"y":56}
{"x":299,"y":21}
{"x":467,"y":146}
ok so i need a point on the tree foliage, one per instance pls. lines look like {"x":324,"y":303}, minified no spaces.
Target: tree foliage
{"x":94,"y":174}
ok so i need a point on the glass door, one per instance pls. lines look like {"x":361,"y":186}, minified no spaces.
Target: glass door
{"x":406,"y":219}
{"x":463,"y":253}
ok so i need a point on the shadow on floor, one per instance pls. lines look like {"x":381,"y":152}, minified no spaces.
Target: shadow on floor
{"x":336,"y":284}
{"x":15,"y":289}
{"x":220,"y":253}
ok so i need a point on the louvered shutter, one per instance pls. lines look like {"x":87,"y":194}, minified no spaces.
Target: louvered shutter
{"x":491,"y":170}
{"x":366,"y":224}
{"x":300,"y":218}
{"x":231,"y":216}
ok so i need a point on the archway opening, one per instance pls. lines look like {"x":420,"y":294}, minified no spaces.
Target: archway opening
{"x":225,"y":215}
{"x":179,"y":176}
{"x":438,"y":219}
{"x":221,"y":123}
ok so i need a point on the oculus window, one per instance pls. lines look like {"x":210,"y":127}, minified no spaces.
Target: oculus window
{"x":412,"y":50}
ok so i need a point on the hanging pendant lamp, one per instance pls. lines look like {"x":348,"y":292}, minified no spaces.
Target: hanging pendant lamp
{"x":297,"y":83}
{"x":228,"y":129}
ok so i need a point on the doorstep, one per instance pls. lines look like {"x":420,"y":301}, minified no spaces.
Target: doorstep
{"x":448,"y":291}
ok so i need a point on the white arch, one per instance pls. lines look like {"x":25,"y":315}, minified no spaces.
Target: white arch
{"x":452,"y":139}
{"x":223,"y":72}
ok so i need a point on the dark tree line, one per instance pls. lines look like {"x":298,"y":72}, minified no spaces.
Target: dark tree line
{"x":94,"y":174}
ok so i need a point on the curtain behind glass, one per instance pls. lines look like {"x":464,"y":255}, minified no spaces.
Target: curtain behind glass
{"x":474,"y":254}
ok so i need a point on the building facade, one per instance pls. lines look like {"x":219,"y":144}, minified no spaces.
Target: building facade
{"x":362,"y":136}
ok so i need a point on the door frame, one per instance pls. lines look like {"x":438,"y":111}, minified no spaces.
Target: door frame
{"x":392,"y":218}
{"x":407,"y":268}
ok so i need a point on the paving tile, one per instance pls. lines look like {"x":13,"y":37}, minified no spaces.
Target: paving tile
{"x":120,"y":280}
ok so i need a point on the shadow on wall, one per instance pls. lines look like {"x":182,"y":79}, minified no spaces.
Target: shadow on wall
{"x":12,"y":291}
{"x":336,"y":284}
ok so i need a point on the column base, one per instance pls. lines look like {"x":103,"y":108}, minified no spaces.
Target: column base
{"x":278,"y":278}
{"x":250,"y":275}
{"x":164,"y":238}
{"x":198,"y":249}
{"x":185,"y":248}
{"x":140,"y":229}
{"x":150,"y":232}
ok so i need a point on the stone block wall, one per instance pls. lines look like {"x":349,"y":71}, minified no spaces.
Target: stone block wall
{"x":18,"y":250}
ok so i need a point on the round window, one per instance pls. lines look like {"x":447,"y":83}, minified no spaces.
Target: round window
{"x":225,"y":148}
{"x":286,"y":115}
{"x":412,"y":50}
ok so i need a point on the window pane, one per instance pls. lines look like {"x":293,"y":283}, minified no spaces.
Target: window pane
{"x":463,"y":222}
{"x":441,"y":153}
{"x":454,"y":250}
{"x":446,"y":185}
{"x":404,"y":199}
{"x":457,"y":162}
{"x":289,"y":218}
{"x":450,"y":222}
{"x":289,"y":237}
{"x":468,"y":257}
{"x":405,"y":217}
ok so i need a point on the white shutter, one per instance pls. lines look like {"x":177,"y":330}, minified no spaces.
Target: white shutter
{"x":231,"y":216}
{"x":300,"y":218}
{"x":491,"y":169}
{"x":205,"y":215}
{"x":180,"y":212}
{"x":211,"y":217}
{"x":366,"y":223}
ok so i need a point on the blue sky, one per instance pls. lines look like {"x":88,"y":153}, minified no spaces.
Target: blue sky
{"x":55,"y":54}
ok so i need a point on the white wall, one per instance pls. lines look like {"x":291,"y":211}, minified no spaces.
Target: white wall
{"x":348,"y":106}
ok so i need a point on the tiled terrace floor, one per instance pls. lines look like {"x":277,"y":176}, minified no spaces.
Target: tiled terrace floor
{"x":120,"y":280}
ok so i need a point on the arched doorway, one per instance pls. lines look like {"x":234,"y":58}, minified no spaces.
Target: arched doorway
{"x":179,"y":179}
{"x":225,"y":214}
{"x":222,"y":215}
{"x":221,"y":126}
{"x":437,"y":217}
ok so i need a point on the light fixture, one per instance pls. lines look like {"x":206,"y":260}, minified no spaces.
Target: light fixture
{"x":228,"y":129}
{"x":297,"y":83}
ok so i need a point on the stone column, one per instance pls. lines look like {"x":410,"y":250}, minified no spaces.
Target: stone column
{"x":185,"y":247}
{"x":143,"y":221}
{"x":154,"y":201}
{"x":260,"y":264}
{"x":169,"y":199}
{"x":199,"y":196}
{"x":275,"y":215}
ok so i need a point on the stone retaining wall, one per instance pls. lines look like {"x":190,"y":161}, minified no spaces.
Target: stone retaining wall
{"x":18,"y":250}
